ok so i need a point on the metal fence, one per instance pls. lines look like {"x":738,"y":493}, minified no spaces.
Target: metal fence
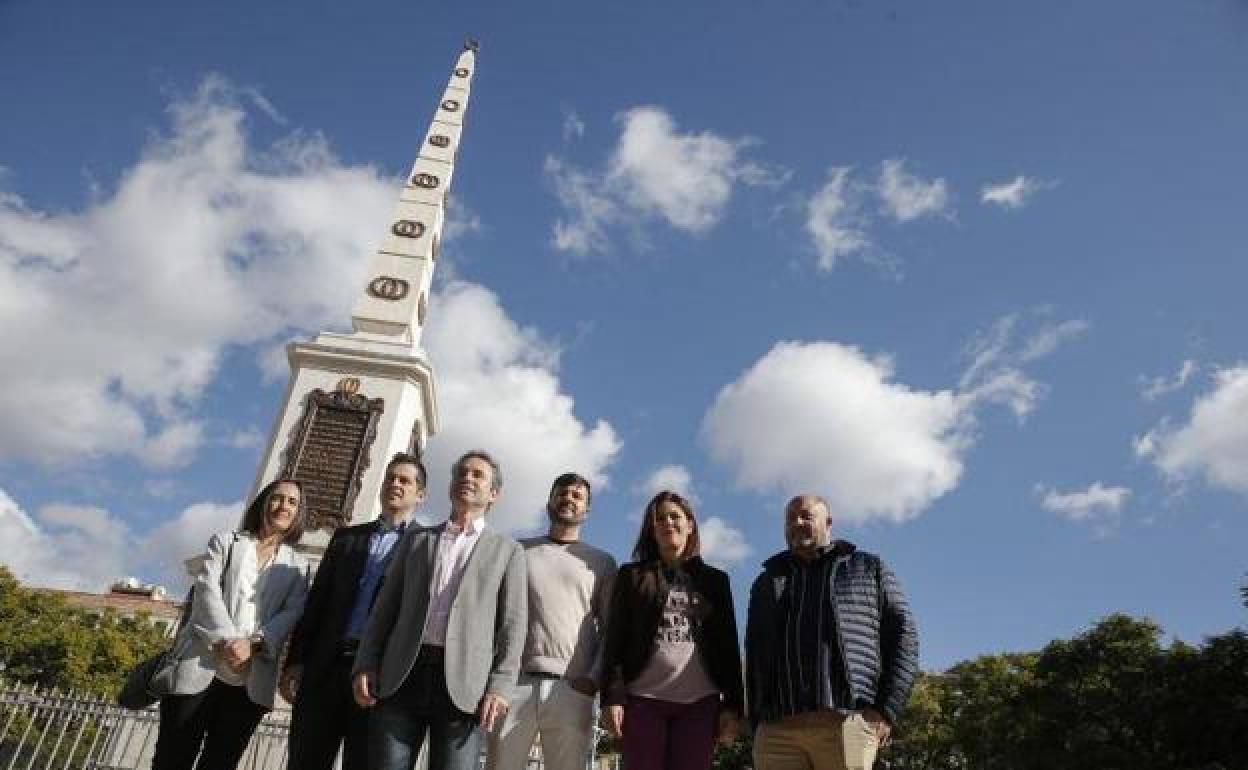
{"x":53,"y":730}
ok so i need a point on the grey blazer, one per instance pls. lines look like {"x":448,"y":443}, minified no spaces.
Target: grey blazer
{"x":484,"y":633}
{"x":278,"y":606}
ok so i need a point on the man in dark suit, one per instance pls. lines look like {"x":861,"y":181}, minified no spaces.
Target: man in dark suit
{"x":317,"y":677}
{"x":441,"y":651}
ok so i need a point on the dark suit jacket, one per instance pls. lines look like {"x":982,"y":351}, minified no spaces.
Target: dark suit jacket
{"x":317,"y":638}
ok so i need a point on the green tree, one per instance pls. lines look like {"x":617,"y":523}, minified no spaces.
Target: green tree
{"x":966,"y":717}
{"x":736,"y":756}
{"x":1111,"y":698}
{"x":43,"y":641}
{"x":1206,"y":713}
{"x":924,"y":739}
{"x":1094,"y":699}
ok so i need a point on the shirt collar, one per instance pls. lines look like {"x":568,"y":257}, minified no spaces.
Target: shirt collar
{"x":385,"y":527}
{"x":474,"y":527}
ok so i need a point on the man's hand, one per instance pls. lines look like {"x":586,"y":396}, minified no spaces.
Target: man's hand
{"x":876,"y":721}
{"x":491,"y":711}
{"x":235,"y":652}
{"x":585,"y":685}
{"x":289,"y":683}
{"x":729,"y":728}
{"x":613,"y":721}
{"x":364,"y":688}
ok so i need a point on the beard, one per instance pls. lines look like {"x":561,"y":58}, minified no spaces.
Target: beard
{"x":801,"y":539}
{"x":565,"y":514}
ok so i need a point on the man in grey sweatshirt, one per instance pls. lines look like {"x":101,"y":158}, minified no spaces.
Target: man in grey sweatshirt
{"x":569,"y":588}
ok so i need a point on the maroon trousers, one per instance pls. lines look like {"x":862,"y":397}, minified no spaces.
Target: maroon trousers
{"x":661,"y":735}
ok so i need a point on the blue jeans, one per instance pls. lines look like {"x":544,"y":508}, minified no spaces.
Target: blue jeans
{"x":422,"y":705}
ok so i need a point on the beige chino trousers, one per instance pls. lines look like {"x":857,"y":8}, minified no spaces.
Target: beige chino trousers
{"x":822,"y":740}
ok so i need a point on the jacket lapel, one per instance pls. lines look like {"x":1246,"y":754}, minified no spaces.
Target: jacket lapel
{"x":235,"y":552}
{"x":430,"y":550}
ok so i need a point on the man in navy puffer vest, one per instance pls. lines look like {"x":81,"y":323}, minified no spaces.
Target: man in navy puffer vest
{"x":831,"y":649}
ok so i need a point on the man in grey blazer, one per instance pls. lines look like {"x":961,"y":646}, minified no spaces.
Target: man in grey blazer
{"x":441,"y":651}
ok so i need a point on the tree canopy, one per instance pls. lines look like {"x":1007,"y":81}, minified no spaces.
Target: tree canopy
{"x":45,"y":641}
{"x":1112,"y":697}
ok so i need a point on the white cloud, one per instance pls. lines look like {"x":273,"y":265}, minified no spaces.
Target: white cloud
{"x":996,"y":356}
{"x":1050,"y":337}
{"x":461,"y":220}
{"x":1213,"y":443}
{"x":828,"y":418}
{"x":1097,"y":501}
{"x":573,"y":126}
{"x":498,"y":389}
{"x":245,"y":438}
{"x":1015,"y":193}
{"x":206,"y":242}
{"x":839,"y":223}
{"x":655,"y":172}
{"x":87,"y":548}
{"x":186,"y":535}
{"x":54,"y":554}
{"x":722,"y":544}
{"x":1152,"y":388}
{"x":834,"y":220}
{"x":590,"y":209}
{"x":836,"y":423}
{"x":677,"y":478}
{"x":174,"y":446}
{"x":905,"y":197}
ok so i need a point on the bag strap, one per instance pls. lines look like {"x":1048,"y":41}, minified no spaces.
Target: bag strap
{"x":185,"y":617}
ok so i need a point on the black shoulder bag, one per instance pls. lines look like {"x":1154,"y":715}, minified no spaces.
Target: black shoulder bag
{"x":141,"y":688}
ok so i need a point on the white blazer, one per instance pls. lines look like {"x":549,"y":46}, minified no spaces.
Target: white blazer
{"x":278,"y":606}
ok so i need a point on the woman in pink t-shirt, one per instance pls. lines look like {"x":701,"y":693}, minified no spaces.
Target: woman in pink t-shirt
{"x":672,"y":665}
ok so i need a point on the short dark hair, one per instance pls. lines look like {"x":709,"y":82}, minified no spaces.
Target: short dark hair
{"x":406,"y":458}
{"x":647,"y":547}
{"x":253,"y":518}
{"x":496,"y":473}
{"x":570,"y":479}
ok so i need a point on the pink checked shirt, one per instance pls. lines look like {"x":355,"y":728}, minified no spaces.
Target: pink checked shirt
{"x":455,"y":545}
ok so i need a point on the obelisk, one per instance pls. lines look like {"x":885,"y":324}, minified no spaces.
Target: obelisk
{"x":355,"y":399}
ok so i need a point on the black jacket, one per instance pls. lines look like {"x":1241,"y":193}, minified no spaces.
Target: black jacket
{"x":637,"y":602}
{"x":879,"y":644}
{"x":317,"y":639}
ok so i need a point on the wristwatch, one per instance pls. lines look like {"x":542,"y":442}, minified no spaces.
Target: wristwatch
{"x":257,"y":641}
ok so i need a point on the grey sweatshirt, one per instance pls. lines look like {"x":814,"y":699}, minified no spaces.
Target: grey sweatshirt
{"x":569,"y":589}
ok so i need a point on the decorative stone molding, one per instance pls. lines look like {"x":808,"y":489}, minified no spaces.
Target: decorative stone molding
{"x":388,"y":287}
{"x":408,"y":228}
{"x":427,"y":181}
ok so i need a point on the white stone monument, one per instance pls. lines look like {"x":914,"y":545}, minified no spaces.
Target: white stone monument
{"x":356,"y":399}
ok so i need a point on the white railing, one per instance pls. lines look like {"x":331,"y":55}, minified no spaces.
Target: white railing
{"x":52,"y":730}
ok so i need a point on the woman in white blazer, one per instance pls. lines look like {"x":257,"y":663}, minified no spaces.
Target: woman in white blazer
{"x":248,"y":595}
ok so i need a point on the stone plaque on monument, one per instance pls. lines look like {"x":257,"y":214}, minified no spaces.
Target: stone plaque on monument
{"x":329,"y":451}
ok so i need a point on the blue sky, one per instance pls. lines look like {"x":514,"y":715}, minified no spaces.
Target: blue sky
{"x":972,"y":270}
